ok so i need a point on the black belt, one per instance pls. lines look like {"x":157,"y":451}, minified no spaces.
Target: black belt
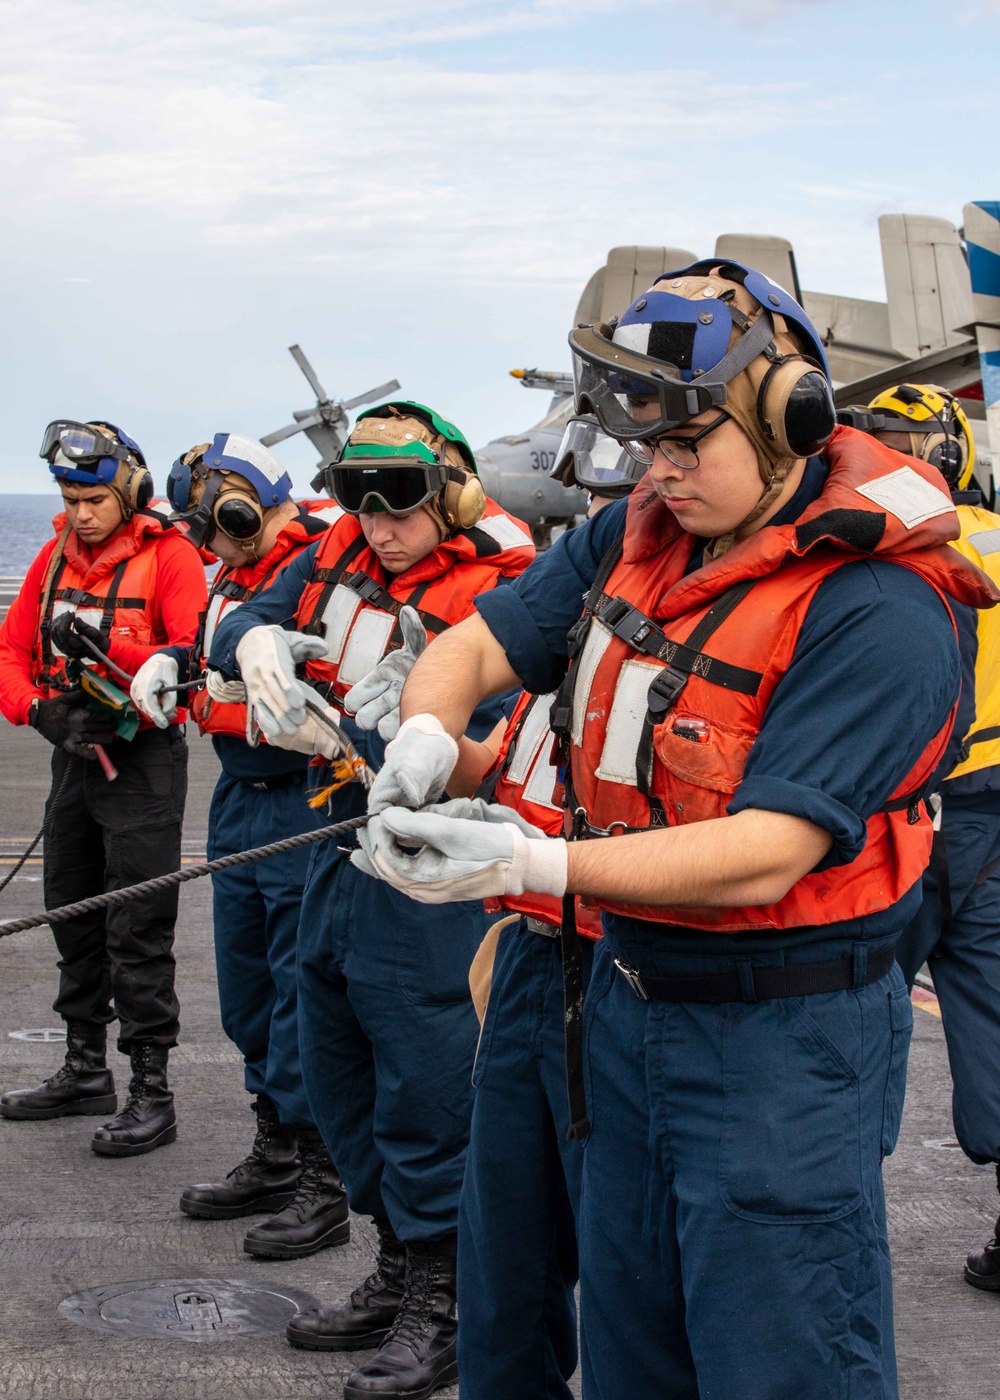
{"x":760,"y":983}
{"x":280,"y":780}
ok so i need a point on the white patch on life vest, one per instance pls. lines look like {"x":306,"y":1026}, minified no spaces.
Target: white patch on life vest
{"x":92,"y":616}
{"x":331,"y":514}
{"x":628,"y":711}
{"x":218,"y":606}
{"x":366,"y":646}
{"x":541,"y":786}
{"x":906,"y":495}
{"x":502,"y":529}
{"x":337,"y":618}
{"x":598,"y":637}
{"x":529,"y":741}
{"x":985,"y":541}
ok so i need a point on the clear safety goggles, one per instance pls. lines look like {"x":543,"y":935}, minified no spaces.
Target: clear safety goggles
{"x":398,"y":485}
{"x":78,"y":442}
{"x":634,"y":396}
{"x":588,"y":458}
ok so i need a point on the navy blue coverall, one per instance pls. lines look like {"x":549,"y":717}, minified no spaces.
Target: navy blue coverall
{"x":956,"y":930}
{"x":732,"y":1230}
{"x":260,"y":797}
{"x":387,"y":1030}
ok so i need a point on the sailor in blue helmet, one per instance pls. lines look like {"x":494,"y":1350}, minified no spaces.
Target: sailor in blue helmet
{"x":744,"y":744}
{"x":234,"y":497}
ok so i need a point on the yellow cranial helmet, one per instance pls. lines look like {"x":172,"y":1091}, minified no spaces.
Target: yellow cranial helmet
{"x":938,"y":429}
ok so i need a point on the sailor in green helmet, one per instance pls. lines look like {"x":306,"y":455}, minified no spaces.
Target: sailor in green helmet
{"x":387,"y":1030}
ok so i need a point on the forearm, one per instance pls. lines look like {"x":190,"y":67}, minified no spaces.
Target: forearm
{"x":752,"y":858}
{"x":475,"y":759}
{"x":464,"y":665}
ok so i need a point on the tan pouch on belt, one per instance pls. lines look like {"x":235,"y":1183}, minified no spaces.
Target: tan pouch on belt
{"x":481,"y":971}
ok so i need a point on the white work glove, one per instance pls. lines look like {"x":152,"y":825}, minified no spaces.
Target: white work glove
{"x":155,"y":674}
{"x":374,"y":701}
{"x":224,"y":692}
{"x":465,"y":849}
{"x":312,"y":736}
{"x":267,"y":659}
{"x":417,"y":765}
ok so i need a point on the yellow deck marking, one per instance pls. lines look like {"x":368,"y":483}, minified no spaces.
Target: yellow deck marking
{"x":927,"y":1001}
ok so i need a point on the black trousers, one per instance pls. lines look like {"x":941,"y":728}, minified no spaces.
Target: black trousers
{"x":103,"y":836}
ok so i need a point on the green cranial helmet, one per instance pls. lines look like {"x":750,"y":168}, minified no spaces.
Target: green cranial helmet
{"x":402,"y":456}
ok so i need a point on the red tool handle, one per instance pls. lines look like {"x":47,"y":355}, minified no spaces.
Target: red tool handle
{"x":110,"y":771}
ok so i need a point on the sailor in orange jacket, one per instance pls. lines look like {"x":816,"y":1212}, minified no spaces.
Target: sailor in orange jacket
{"x":119,"y":582}
{"x":234,"y":495}
{"x":761,"y":685}
{"x":386,"y":1024}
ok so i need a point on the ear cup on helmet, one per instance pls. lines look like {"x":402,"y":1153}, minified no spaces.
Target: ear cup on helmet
{"x":795,"y":407}
{"x":143,"y":491}
{"x":464,"y":500}
{"x":134,"y":486}
{"x":945,"y":453}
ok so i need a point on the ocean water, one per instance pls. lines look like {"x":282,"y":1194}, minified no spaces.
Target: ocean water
{"x":25,"y":525}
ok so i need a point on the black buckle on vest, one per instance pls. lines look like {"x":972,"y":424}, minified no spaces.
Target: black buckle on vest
{"x":613,"y":612}
{"x":664,"y":690}
{"x":364,"y":587}
{"x":576,"y":635}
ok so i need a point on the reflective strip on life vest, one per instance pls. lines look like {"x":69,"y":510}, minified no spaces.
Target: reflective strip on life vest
{"x":336,"y":621}
{"x":218,"y":605}
{"x":366,"y":644}
{"x":985,"y":541}
{"x":531,"y":767}
{"x":597,"y":643}
{"x":625,"y":723}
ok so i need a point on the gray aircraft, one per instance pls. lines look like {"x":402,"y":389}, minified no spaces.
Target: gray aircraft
{"x":940,"y":323}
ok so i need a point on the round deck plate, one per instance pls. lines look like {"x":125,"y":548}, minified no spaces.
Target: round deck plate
{"x":187,"y":1310}
{"x":47,"y":1035}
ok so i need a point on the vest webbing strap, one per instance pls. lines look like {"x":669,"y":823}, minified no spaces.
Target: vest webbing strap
{"x":56,"y":565}
{"x":983,"y":736}
{"x":82,"y":599}
{"x":329,"y":578}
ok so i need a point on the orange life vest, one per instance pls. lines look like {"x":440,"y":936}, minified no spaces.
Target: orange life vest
{"x":353,"y":604}
{"x":114,"y":594}
{"x":525,"y":776}
{"x":231,"y":587}
{"x":659,"y":728}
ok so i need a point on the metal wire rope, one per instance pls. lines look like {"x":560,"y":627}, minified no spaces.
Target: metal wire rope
{"x":178,"y":877}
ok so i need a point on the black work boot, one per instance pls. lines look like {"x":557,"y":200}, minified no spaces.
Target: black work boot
{"x":83,"y":1085}
{"x":316,"y":1216}
{"x":982,"y":1268}
{"x":418,"y":1354}
{"x":147,"y":1121}
{"x":263,"y":1182}
{"x":364,"y":1320}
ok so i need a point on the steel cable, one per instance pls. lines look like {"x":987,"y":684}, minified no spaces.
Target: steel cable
{"x":178,"y":877}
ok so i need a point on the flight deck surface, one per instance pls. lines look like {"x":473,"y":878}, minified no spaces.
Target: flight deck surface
{"x":72,"y":1222}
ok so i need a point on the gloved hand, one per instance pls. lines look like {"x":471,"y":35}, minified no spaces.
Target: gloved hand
{"x":224,"y":692}
{"x":312,"y":736}
{"x":374,"y":701}
{"x":67,"y":721}
{"x":146,"y":690}
{"x":466,"y":849}
{"x":417,"y":765}
{"x":268,"y":657}
{"x":66,"y":632}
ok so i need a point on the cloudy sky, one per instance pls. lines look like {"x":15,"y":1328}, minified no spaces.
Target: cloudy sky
{"x":419,"y":188}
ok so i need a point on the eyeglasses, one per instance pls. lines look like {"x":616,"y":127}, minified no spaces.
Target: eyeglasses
{"x":682,"y":451}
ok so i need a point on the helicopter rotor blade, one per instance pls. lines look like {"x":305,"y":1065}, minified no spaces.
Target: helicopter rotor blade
{"x":290,"y":430}
{"x":372,"y":394}
{"x":307,"y":369}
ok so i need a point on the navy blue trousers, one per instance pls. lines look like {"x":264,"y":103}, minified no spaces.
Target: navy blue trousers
{"x":517,"y":1252}
{"x":732,"y":1231}
{"x":256,"y":911}
{"x":964,"y":960}
{"x":387,"y":1032}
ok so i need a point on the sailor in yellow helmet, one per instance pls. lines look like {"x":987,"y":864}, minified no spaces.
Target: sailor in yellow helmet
{"x":957,"y":931}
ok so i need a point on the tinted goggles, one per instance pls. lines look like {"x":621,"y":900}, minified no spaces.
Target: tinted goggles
{"x":396,"y":484}
{"x":590,"y":459}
